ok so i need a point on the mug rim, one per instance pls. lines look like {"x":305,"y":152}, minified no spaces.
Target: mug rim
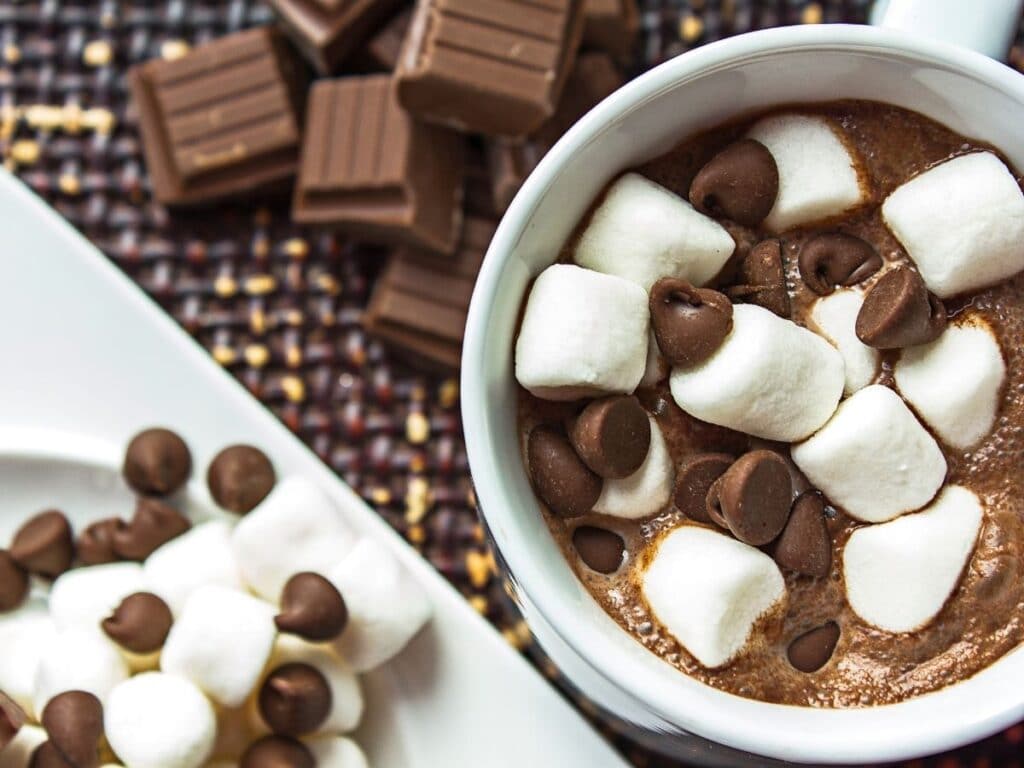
{"x":930,"y":723}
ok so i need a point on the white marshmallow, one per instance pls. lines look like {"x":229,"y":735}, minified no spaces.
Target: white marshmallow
{"x":160,"y":721}
{"x":386,"y":606}
{"x":818,"y":174}
{"x":24,"y":634}
{"x":900,"y":574}
{"x":770,"y":378}
{"x":836,"y":318}
{"x":335,"y":752}
{"x":954,"y":382}
{"x":656,"y":369}
{"x":201,"y":555}
{"x":84,"y":597}
{"x":78,"y":659}
{"x":873,"y":458}
{"x":644,"y":232}
{"x":18,"y":754}
{"x":296,"y":528}
{"x":583,"y":333}
{"x":647,"y":490}
{"x":728,"y":587}
{"x":962,"y":222}
{"x":221,"y":642}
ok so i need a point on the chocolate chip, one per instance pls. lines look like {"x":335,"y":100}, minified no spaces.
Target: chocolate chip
{"x":900,"y":312}
{"x":46,"y":755}
{"x":835,"y":258}
{"x":812,"y":650}
{"x":694,"y":478}
{"x":157,"y":462}
{"x":754,"y":495}
{"x":277,"y":752}
{"x":740,"y":183}
{"x":713,"y":505}
{"x":154,"y":524}
{"x":600,"y":549}
{"x":295,"y":699}
{"x":612,"y":436}
{"x":43,"y":544}
{"x":240,"y":477}
{"x":689,"y":323}
{"x":74,"y":722}
{"x":12,"y":717}
{"x":140,"y":623}
{"x":13,"y":582}
{"x":560,"y":477}
{"x":805,"y":546}
{"x":311,"y":607}
{"x":95,"y":545}
{"x":761,"y":279}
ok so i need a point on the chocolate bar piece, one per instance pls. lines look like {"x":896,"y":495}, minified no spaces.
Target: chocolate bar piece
{"x":223,"y":120}
{"x":380,"y":54}
{"x":611,"y":26}
{"x":370,"y":170}
{"x":488,"y":66}
{"x":420,"y":301}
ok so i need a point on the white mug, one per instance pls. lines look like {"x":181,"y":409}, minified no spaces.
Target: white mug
{"x":960,"y":88}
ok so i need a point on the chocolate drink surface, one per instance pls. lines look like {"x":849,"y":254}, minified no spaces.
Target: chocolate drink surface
{"x":792,"y":655}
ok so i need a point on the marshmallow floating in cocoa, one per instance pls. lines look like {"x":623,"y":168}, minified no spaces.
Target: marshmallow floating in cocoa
{"x":24,"y":634}
{"x":811,"y":651}
{"x":694,"y":477}
{"x":153,"y":525}
{"x":761,"y":279}
{"x":140,"y":624}
{"x":805,"y":545}
{"x":19,"y":752}
{"x":739,"y":183}
{"x":612,"y":436}
{"x":13,"y":582}
{"x":277,"y":752}
{"x":157,"y":462}
{"x":646,"y":491}
{"x":836,"y":259}
{"x":754,"y":496}
{"x":43,"y":544}
{"x":564,"y":483}
{"x":337,"y":752}
{"x":899,"y":312}
{"x":835,"y":317}
{"x":312,"y":608}
{"x":689,"y":323}
{"x":95,"y":544}
{"x":200,"y":556}
{"x":83,"y":597}
{"x":74,"y":722}
{"x":600,"y":550}
{"x":78,"y":659}
{"x":240,"y":477}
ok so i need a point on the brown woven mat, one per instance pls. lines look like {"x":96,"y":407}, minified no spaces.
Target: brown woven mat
{"x":280,"y":306}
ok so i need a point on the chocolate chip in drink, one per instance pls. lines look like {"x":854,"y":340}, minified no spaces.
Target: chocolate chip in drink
{"x":754,"y":495}
{"x":74,"y":722}
{"x":43,"y":544}
{"x":140,"y":623}
{"x":812,"y":650}
{"x":240,"y":477}
{"x":694,"y":477}
{"x":601,"y":550}
{"x":761,"y":279}
{"x":899,"y":312}
{"x":612,"y":436}
{"x":13,"y":582}
{"x":154,"y":524}
{"x":689,"y":323}
{"x":277,"y":752}
{"x":804,"y":545}
{"x":157,"y":462}
{"x":95,"y":545}
{"x":312,"y":608}
{"x":295,"y":699}
{"x":46,"y":755}
{"x":12,"y":717}
{"x":833,"y":259}
{"x":740,"y":183}
{"x":561,"y":479}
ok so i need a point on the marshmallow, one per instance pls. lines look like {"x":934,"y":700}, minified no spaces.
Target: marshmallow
{"x":583,"y":333}
{"x":201,"y":555}
{"x":873,"y":458}
{"x":643,"y":232}
{"x":78,"y":659}
{"x":335,"y":752}
{"x":836,"y":318}
{"x":296,"y":528}
{"x":18,"y":754}
{"x":962,"y":222}
{"x":24,"y":634}
{"x":159,"y":721}
{"x":818,"y":176}
{"x":386,"y":606}
{"x":900,"y":574}
{"x":84,"y":597}
{"x":221,"y":642}
{"x":656,"y":369}
{"x":647,"y":490}
{"x":708,"y":590}
{"x":954,"y":382}
{"x":770,"y":378}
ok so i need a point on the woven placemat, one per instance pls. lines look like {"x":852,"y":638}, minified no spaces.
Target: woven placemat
{"x":279,"y":306}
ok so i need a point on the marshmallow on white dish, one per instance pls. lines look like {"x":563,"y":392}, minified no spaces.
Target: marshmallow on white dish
{"x":221,"y":642}
{"x":709,"y":590}
{"x":900,"y":574}
{"x":78,"y":659}
{"x":24,"y":634}
{"x":335,"y":752}
{"x":647,"y":490}
{"x":954,"y":382}
{"x":818,"y":176}
{"x":583,"y":333}
{"x":770,"y":378}
{"x":656,"y":368}
{"x":160,"y":721}
{"x":18,"y":754}
{"x":84,"y":597}
{"x":298,"y":527}
{"x":962,"y":222}
{"x":386,"y":605}
{"x":201,"y":555}
{"x":836,"y":318}
{"x":644,"y":232}
{"x":873,"y":458}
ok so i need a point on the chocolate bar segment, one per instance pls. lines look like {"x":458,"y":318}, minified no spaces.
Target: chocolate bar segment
{"x":489,"y":66}
{"x":611,"y":26}
{"x":380,"y":53}
{"x":370,"y":170}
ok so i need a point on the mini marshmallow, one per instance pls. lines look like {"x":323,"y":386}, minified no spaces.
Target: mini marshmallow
{"x":656,"y":368}
{"x":160,"y":721}
{"x":643,"y":232}
{"x":873,"y":458}
{"x":386,"y":605}
{"x":335,"y":752}
{"x":900,"y":574}
{"x":962,"y":222}
{"x":24,"y":634}
{"x":647,"y":490}
{"x":770,"y":378}
{"x":709,"y":589}
{"x":221,"y":642}
{"x":954,"y":382}
{"x":583,"y":333}
{"x":18,"y":754}
{"x":296,"y":528}
{"x":818,"y":176}
{"x":78,"y":659}
{"x":84,"y":597}
{"x":836,"y":318}
{"x":201,"y":555}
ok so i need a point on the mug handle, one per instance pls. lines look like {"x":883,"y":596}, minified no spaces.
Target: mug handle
{"x":986,"y":26}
